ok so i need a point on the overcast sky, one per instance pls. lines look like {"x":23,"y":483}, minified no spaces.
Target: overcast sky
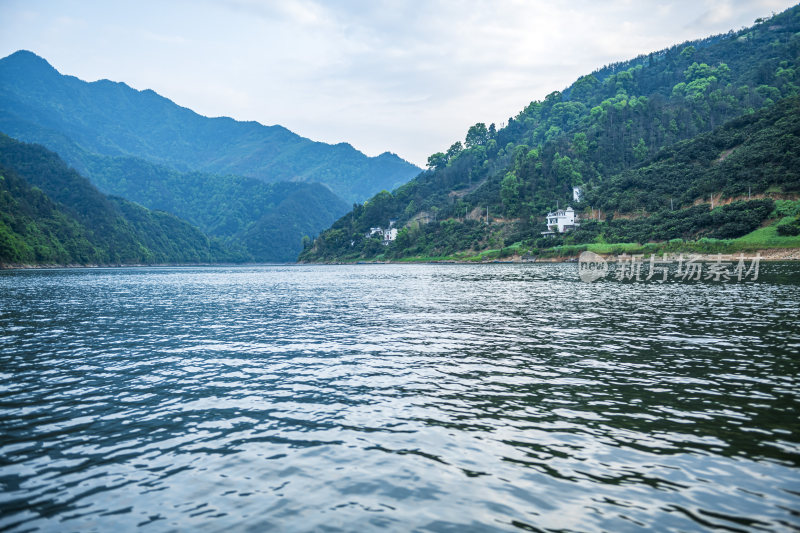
{"x":406,"y":77}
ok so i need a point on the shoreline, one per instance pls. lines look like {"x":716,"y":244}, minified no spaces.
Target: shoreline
{"x":768,"y":254}
{"x":34,"y":266}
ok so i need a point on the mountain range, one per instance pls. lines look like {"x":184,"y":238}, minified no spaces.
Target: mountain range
{"x":694,"y":146}
{"x":258,"y":189}
{"x":72,"y":117}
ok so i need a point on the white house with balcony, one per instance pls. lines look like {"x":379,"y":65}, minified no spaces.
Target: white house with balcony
{"x":560,"y":221}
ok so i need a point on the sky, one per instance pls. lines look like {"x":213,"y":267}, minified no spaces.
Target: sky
{"x":408,"y":77}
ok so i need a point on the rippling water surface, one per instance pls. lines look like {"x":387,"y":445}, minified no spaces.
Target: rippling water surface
{"x":407,"y":397}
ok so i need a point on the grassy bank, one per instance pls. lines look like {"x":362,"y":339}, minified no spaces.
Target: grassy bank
{"x":767,"y":238}
{"x":762,"y":239}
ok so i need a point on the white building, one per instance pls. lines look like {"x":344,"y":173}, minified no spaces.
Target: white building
{"x":561,"y":220}
{"x":389,"y":235}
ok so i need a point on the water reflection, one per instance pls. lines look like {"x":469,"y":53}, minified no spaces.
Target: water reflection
{"x":413,"y":397}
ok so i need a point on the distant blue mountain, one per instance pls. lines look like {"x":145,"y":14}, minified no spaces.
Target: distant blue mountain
{"x":79,"y":120}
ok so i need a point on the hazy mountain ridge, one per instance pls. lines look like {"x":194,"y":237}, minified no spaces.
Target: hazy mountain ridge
{"x":110,"y":118}
{"x":96,"y":127}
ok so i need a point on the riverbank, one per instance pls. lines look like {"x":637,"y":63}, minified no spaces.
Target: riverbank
{"x":765,"y":240}
{"x":34,"y":266}
{"x":486,"y":257}
{"x":571,"y":255}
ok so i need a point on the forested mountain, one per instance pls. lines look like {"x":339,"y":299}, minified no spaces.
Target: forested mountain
{"x":677,"y":193}
{"x":49,"y":214}
{"x":267,"y":220}
{"x":79,"y":119}
{"x":228,"y":178}
{"x":754,"y":153}
{"x":602,"y":134}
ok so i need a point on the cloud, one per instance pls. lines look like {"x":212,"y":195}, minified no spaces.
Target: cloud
{"x":409,"y":77}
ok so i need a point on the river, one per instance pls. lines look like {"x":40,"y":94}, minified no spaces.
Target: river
{"x":504,"y":397}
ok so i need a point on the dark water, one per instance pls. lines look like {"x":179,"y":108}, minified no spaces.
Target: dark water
{"x":418,"y":397}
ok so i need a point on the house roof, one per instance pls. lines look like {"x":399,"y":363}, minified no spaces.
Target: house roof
{"x":561,"y":212}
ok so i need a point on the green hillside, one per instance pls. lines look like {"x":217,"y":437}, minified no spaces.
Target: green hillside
{"x":49,"y":214}
{"x":620,"y":135}
{"x":75,"y":119}
{"x":234,"y":208}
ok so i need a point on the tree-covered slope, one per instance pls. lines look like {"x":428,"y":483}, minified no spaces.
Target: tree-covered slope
{"x":49,"y":214}
{"x":608,"y":122}
{"x":299,"y":215}
{"x":73,"y":118}
{"x":751,"y":154}
{"x":233,"y":208}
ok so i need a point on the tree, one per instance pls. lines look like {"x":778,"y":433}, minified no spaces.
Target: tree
{"x":582,"y":88}
{"x":454,"y":150}
{"x":437,"y":161}
{"x":580,"y":145}
{"x":640,"y":150}
{"x":564,"y":170}
{"x":477,"y":135}
{"x":509,"y":193}
{"x":698,"y":70}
